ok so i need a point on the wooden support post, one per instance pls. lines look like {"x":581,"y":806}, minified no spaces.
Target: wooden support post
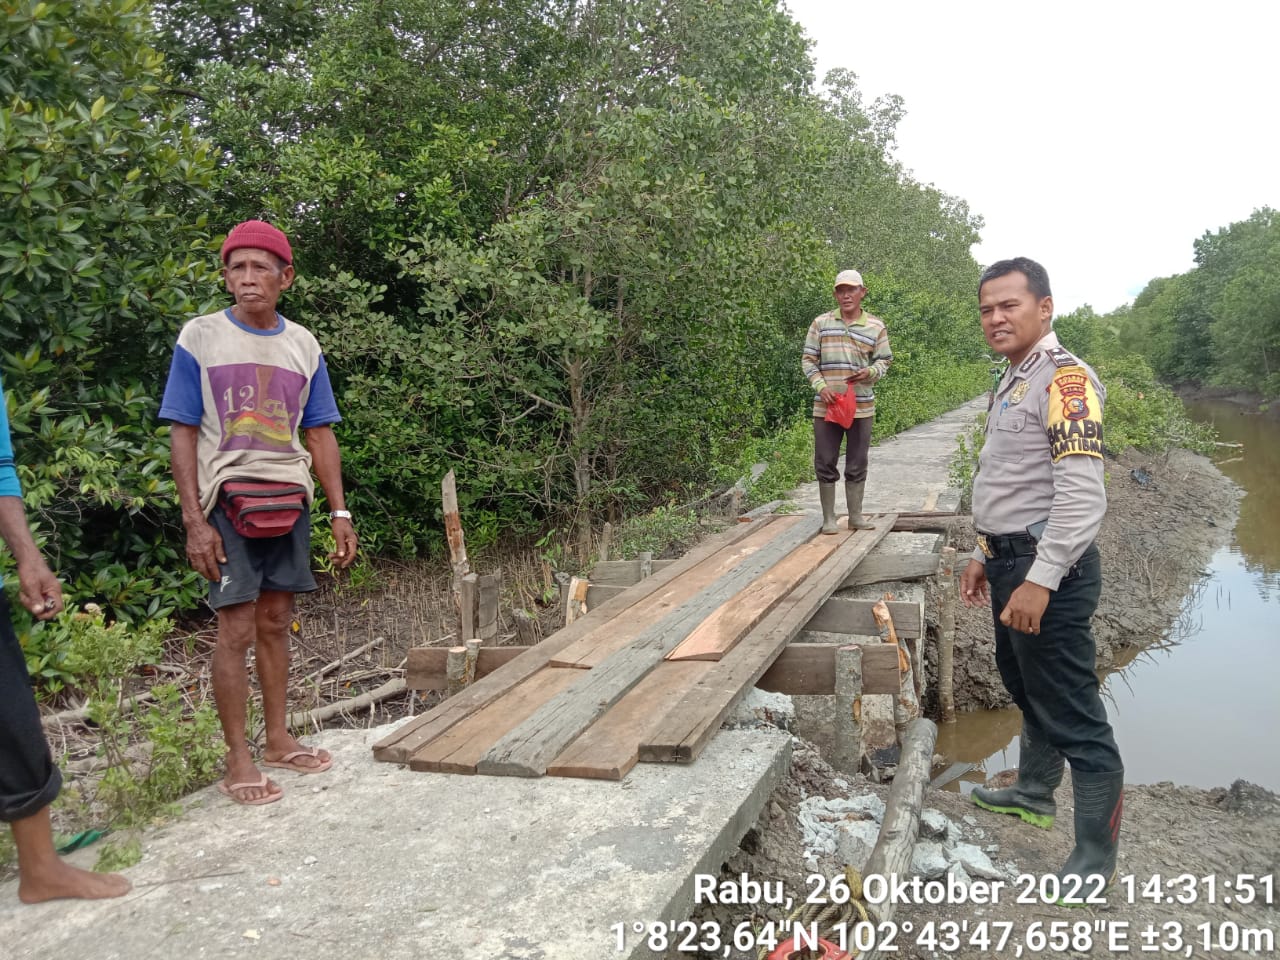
{"x":487,"y":618}
{"x":453,"y":530}
{"x":527,"y":632}
{"x":891,"y":856}
{"x":606,"y":538}
{"x":455,"y":670}
{"x":948,"y":596}
{"x":472,"y":655}
{"x":906,"y":706}
{"x":848,"y":727}
{"x":469,"y":589}
{"x":575,"y":598}
{"x":646,"y":564}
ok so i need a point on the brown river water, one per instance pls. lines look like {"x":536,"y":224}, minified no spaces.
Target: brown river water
{"x":1200,"y":708}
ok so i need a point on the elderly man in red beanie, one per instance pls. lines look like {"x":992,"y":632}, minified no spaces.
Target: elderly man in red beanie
{"x":243,"y":385}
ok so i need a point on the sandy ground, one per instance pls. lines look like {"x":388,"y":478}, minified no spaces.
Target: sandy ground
{"x":1154,"y":548}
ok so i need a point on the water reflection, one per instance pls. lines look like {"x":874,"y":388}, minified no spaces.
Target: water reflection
{"x":1255,"y":465}
{"x":1191,"y":707}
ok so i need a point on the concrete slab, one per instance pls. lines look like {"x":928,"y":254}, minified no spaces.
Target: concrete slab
{"x":373,"y":860}
{"x":909,"y":471}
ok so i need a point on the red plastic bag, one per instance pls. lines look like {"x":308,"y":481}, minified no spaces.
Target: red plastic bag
{"x":843,"y":409}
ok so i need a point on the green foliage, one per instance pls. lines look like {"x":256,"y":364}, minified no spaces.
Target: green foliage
{"x":1220,"y":322}
{"x":98,"y":262}
{"x":1142,"y":413}
{"x":568,"y":250}
{"x":964,"y":462}
{"x":119,"y":855}
{"x":661,"y":531}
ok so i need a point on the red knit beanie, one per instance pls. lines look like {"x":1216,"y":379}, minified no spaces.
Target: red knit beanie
{"x":259,"y":236}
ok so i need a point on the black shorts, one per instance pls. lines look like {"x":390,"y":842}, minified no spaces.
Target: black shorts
{"x":253,"y":565}
{"x":29,"y":779}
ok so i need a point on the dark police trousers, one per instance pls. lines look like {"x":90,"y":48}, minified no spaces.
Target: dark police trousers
{"x":1051,"y":675}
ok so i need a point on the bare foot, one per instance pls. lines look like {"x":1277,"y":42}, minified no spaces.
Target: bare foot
{"x":60,"y":881}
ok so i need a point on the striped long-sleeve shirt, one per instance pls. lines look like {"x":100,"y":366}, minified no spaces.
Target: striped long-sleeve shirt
{"x":833,"y":350}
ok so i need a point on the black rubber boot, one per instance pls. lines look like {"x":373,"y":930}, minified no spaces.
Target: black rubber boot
{"x":1040,"y":768}
{"x":853,"y":494}
{"x":1099,"y":808}
{"x":827,"y":494}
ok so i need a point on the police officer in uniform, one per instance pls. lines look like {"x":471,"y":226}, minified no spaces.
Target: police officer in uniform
{"x":1038,"y":502}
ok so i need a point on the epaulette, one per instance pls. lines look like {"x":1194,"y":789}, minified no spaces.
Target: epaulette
{"x":1061,"y":357}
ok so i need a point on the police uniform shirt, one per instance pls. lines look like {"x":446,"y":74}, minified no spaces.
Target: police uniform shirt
{"x":1042,"y":459}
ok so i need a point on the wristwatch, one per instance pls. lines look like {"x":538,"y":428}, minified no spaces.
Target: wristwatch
{"x":339,"y":514}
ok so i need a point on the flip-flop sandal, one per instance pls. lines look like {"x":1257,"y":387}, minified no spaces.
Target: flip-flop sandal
{"x":287,"y":761}
{"x":230,"y":791}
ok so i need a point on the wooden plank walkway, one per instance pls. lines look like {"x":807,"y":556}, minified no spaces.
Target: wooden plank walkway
{"x":650,"y":673}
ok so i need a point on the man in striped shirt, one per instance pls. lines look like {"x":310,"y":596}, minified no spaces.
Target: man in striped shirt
{"x":845,"y":349}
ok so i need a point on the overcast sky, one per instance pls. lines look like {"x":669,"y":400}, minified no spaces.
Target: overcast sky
{"x":1101,"y":139}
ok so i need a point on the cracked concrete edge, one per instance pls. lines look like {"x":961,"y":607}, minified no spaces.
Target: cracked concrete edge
{"x":721,"y":848}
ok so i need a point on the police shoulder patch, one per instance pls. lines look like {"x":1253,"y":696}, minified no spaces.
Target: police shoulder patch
{"x":1061,"y":357}
{"x":1075,"y":415}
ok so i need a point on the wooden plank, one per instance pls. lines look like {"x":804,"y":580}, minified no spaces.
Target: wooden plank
{"x":802,"y":669}
{"x":845,"y":615}
{"x":694,"y":719}
{"x":399,"y":745}
{"x":622,"y":573}
{"x":808,"y":669}
{"x":526,"y":750}
{"x":459,"y":747}
{"x":716,"y":635}
{"x":597,"y":594}
{"x":596,"y":649}
{"x":897,"y":566}
{"x":610,"y":747}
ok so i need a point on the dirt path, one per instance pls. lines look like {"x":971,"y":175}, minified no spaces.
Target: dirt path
{"x":1166,"y":517}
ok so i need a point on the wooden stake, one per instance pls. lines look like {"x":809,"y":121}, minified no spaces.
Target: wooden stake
{"x":469,"y":590}
{"x":948,"y":595}
{"x":453,"y":530}
{"x":527,"y":632}
{"x":487,"y":620}
{"x":575,"y":599}
{"x":472,"y":655}
{"x":848,"y":726}
{"x":606,"y":537}
{"x":907,"y":705}
{"x":646,"y":564}
{"x":892,"y":853}
{"x":455,"y":670}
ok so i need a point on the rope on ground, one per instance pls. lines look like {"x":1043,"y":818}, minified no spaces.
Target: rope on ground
{"x":829,"y":917}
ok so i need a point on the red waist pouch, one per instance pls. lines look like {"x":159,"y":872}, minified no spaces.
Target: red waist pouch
{"x":259,"y":508}
{"x":843,"y":409}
